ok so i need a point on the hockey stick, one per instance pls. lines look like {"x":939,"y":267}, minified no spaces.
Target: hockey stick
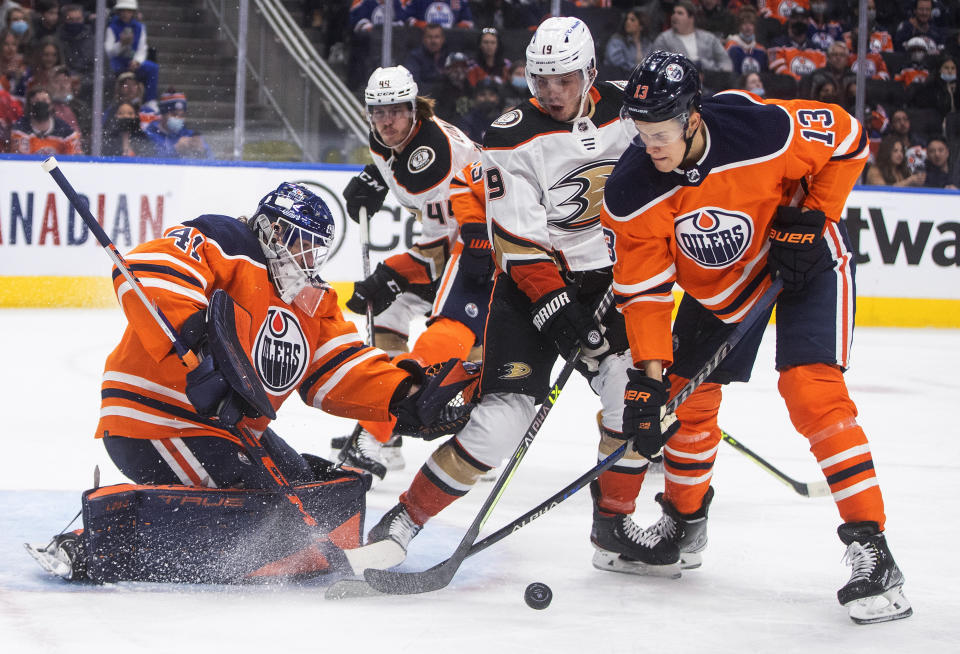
{"x":189,"y":359}
{"x":807,"y":489}
{"x":405,"y":583}
{"x":437,"y":577}
{"x":365,"y":256}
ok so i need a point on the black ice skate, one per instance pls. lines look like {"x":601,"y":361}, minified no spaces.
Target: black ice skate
{"x":390,"y":452}
{"x":875,"y":590}
{"x":361,"y":450}
{"x":623,"y":546}
{"x":62,"y":556}
{"x":687,"y":531}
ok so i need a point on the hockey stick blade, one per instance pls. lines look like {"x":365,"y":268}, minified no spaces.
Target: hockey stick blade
{"x":406,"y":583}
{"x":350,"y":589}
{"x":807,"y":489}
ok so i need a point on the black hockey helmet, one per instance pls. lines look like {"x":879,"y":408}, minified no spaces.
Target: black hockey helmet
{"x":664,"y":85}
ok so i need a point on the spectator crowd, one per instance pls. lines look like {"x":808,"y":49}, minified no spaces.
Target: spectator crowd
{"x":468,"y":55}
{"x":47,"y":54}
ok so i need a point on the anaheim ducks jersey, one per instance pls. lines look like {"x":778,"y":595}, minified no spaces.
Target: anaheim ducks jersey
{"x":706,"y":228}
{"x":467,"y":196}
{"x":320,"y":356}
{"x":544,"y":185}
{"x":420,"y":180}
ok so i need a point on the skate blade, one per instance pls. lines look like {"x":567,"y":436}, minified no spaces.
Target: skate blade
{"x":350,"y":589}
{"x":380,"y":555}
{"x":891,"y":605}
{"x":48,"y":561}
{"x":690,"y":560}
{"x":611,"y":562}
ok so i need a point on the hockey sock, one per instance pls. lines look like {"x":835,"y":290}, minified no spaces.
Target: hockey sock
{"x":821,"y":409}
{"x":689,"y":455}
{"x":448,"y":474}
{"x":620,"y":485}
{"x":443,"y":339}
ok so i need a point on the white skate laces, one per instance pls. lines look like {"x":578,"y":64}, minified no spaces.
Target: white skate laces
{"x":403,"y":529}
{"x":663,"y":529}
{"x":861,"y":559}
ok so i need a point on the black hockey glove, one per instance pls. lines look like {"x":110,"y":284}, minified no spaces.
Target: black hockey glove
{"x":380,"y":289}
{"x":442,"y":403}
{"x":798,"y":251}
{"x":365,"y":190}
{"x":476,"y":261}
{"x":645,"y":418}
{"x":566,"y":322}
{"x":225,"y":384}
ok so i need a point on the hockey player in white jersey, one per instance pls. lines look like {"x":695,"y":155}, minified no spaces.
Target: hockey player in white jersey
{"x":416,"y":156}
{"x":545,"y":163}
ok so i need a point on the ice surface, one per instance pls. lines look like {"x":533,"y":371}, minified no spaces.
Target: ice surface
{"x":767,"y":584}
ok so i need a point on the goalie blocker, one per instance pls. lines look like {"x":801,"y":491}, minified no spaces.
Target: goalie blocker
{"x":207,"y":535}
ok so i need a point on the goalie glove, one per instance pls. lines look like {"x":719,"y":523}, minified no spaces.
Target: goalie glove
{"x":443,"y":402}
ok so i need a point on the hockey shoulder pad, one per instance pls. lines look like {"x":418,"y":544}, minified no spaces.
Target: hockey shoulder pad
{"x":442,"y":404}
{"x":225,"y":383}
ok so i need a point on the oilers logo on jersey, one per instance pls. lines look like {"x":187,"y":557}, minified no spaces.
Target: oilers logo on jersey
{"x":714,"y":237}
{"x":588,"y":182}
{"x":279,"y":352}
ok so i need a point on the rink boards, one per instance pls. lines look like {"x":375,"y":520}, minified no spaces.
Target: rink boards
{"x":907,"y":241}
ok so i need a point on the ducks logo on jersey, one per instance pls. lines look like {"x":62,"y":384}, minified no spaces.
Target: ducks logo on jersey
{"x":714,"y":237}
{"x":280,"y":351}
{"x":587,"y":198}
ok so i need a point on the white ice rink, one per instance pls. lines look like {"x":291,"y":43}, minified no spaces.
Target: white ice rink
{"x":767,"y":584}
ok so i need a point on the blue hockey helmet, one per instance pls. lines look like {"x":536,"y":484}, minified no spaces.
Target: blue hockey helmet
{"x":295,"y":229}
{"x":664,"y":85}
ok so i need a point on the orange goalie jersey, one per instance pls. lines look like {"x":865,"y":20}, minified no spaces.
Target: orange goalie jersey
{"x":321,"y":356}
{"x":706,"y":228}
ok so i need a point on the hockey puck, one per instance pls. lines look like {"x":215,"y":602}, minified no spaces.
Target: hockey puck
{"x":538,"y":595}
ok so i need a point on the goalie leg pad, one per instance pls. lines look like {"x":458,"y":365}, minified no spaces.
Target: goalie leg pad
{"x":203,"y":535}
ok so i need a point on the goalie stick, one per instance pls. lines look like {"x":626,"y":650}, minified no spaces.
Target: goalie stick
{"x":385,"y":556}
{"x":402,"y":583}
{"x":807,"y":489}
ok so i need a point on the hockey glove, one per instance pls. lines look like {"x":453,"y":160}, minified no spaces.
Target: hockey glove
{"x":645,"y":418}
{"x":380,"y":289}
{"x":225,"y":384}
{"x":365,"y":190}
{"x":798,"y":251}
{"x":566,"y":322}
{"x":476,"y":261}
{"x":442,"y":403}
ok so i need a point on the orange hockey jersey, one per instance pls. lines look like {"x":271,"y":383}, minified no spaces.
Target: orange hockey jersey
{"x":706,"y":228}
{"x":320,"y":356}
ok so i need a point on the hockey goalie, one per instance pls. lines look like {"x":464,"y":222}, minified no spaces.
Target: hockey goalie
{"x":247,"y":298}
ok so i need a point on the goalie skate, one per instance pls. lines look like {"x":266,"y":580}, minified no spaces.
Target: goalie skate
{"x":60,"y":556}
{"x":874,"y":592}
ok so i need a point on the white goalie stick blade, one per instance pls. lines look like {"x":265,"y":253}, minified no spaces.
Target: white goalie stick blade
{"x":891,"y":605}
{"x":48,"y":560}
{"x":379,"y":556}
{"x":350,"y":589}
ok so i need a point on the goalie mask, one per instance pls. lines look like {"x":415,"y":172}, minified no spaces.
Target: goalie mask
{"x":295,"y":229}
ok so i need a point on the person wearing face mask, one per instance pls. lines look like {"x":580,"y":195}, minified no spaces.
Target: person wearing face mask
{"x":941,"y":91}
{"x":40,"y":132}
{"x":170,"y":135}
{"x":915,"y":72}
{"x":516,"y":89}
{"x":122,"y":136}
{"x":19,"y":25}
{"x":77,"y":39}
{"x":487,"y":106}
{"x":880,"y":38}
{"x":747,"y":55}
{"x":752,"y":82}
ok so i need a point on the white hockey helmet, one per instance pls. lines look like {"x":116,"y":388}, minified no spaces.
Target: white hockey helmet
{"x":391,"y":85}
{"x":561,"y":45}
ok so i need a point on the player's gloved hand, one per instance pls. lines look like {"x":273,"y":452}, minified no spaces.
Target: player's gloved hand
{"x":380,"y":289}
{"x":365,"y":190}
{"x":798,"y":251}
{"x":476,"y":260}
{"x":645,"y":418}
{"x":442,"y":401}
{"x":566,"y":322}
